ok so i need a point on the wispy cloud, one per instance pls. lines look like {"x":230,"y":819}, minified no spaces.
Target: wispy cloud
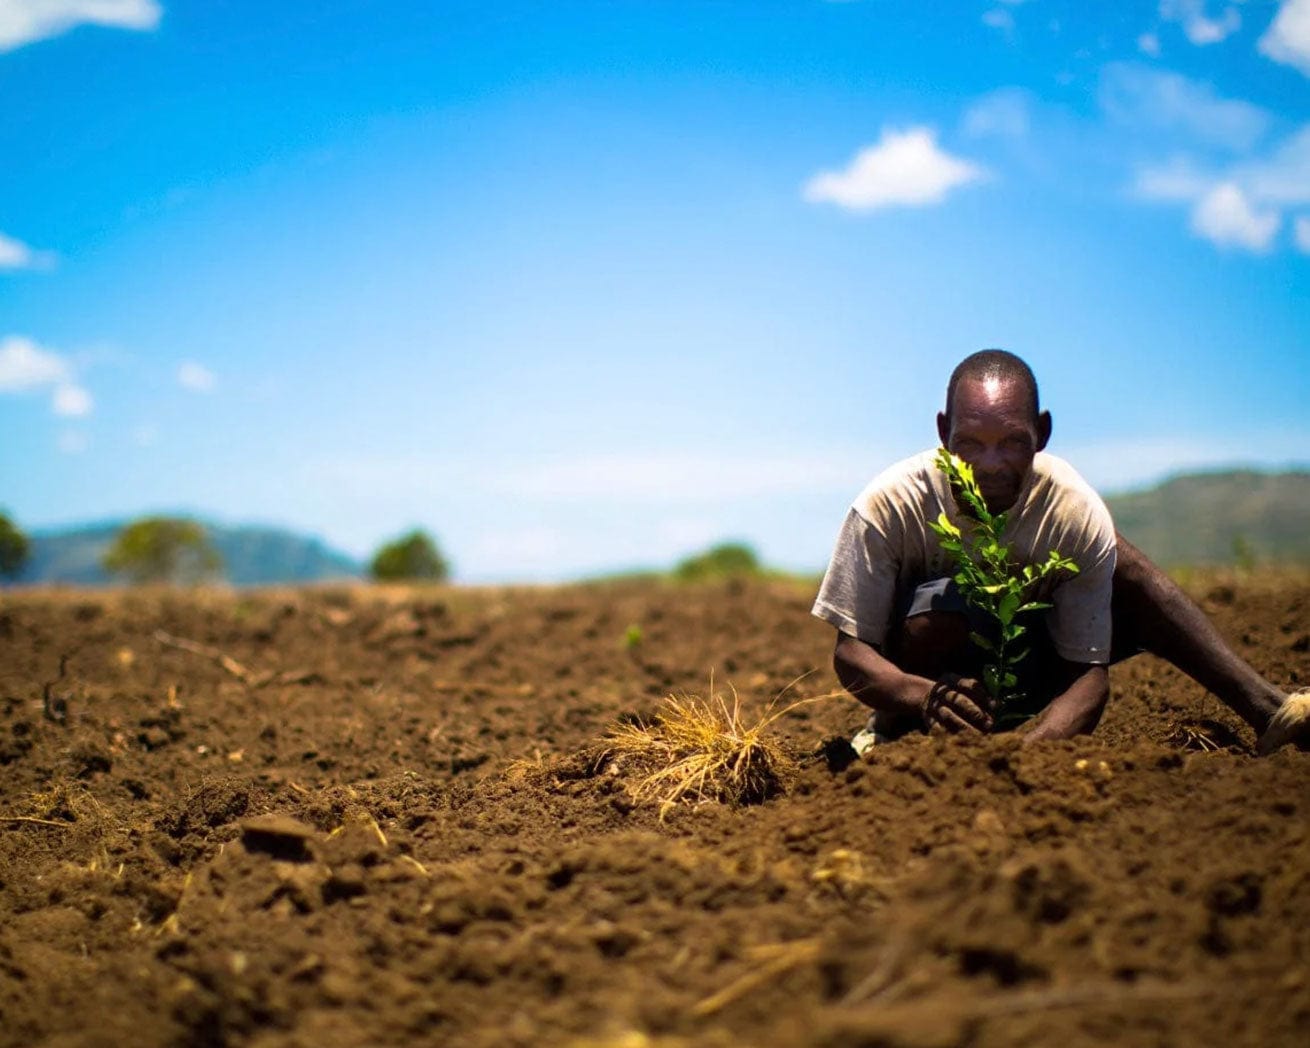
{"x":679,"y":477}
{"x":1149,"y":101}
{"x":1198,"y":26}
{"x":26,"y":21}
{"x":1004,"y":113}
{"x":999,"y":18}
{"x":1239,"y":204}
{"x":14,"y":254}
{"x":72,"y":442}
{"x":635,"y":478}
{"x":1287,"y":39}
{"x":905,"y":169}
{"x":1177,"y":180}
{"x":72,"y":400}
{"x":1118,"y":465}
{"x":1149,"y":44}
{"x":1284,"y":176}
{"x":195,"y":377}
{"x":1301,"y":233}
{"x":26,"y":366}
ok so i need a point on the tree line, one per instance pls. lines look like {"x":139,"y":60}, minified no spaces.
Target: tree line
{"x":178,"y":550}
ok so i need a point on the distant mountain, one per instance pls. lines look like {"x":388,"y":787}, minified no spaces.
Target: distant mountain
{"x":252,"y":556}
{"x":1228,"y":517}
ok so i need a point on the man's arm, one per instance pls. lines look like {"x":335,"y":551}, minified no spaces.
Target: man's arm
{"x":1076,"y":710}
{"x":955,"y":704}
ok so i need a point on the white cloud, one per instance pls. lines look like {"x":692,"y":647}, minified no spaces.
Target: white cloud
{"x":999,"y":18}
{"x":196,"y":377}
{"x":1198,"y":26}
{"x":1288,"y":38}
{"x":145,"y":435}
{"x":71,"y":400}
{"x":1227,"y":217}
{"x":1001,"y":114}
{"x":14,"y":254}
{"x":26,"y":21}
{"x":905,"y":168}
{"x":25,"y":365}
{"x":1301,"y":233}
{"x":1151,"y":101}
{"x":1149,"y":44}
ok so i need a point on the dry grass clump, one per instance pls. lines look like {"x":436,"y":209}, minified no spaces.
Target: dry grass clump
{"x":703,"y":750}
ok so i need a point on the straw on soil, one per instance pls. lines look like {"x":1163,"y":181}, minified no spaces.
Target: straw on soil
{"x":702,"y":750}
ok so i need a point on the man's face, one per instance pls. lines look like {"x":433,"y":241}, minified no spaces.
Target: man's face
{"x":991,"y":426}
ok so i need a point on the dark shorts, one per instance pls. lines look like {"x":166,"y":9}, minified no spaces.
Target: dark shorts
{"x":941,"y":595}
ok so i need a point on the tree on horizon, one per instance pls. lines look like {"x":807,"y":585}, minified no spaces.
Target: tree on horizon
{"x":163,"y":549}
{"x":413,"y":556}
{"x":14,"y":547}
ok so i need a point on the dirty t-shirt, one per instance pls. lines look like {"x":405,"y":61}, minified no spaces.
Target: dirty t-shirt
{"x":885,"y":549}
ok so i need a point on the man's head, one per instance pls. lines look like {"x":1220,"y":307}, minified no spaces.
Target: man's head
{"x":993,"y":421}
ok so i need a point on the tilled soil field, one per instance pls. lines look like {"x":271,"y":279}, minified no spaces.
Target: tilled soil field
{"x":368,"y":817}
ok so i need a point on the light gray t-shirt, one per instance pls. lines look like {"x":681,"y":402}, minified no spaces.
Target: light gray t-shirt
{"x":885,"y":549}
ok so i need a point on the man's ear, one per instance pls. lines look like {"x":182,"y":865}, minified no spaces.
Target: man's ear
{"x":1043,"y":430}
{"x":944,"y":428}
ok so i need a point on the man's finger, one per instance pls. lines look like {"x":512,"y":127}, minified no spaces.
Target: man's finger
{"x":966,"y":710}
{"x":951,"y":721}
{"x":977,"y":692}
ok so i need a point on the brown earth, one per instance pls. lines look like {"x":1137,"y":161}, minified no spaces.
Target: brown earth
{"x":324,"y":840}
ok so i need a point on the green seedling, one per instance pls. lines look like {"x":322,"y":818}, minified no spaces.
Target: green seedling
{"x":632,"y":637}
{"x":989,"y":579}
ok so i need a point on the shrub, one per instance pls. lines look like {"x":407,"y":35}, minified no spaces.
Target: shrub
{"x":726,"y":560}
{"x":14,"y":548}
{"x":412,"y":556}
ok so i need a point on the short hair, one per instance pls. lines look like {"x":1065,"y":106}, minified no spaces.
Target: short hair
{"x":993,"y":364}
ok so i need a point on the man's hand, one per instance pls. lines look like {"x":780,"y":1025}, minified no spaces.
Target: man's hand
{"x":958,"y":704}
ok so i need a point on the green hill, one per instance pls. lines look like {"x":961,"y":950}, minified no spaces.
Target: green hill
{"x":252,"y":556}
{"x":1219,"y":518}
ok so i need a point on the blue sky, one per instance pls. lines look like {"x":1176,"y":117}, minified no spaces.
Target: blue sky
{"x":581,"y":286}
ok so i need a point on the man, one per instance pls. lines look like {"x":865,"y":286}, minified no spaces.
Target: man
{"x":903,"y":642}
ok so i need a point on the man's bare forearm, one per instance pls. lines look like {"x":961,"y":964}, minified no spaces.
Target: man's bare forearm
{"x":1077,"y":710}
{"x":876,"y":681}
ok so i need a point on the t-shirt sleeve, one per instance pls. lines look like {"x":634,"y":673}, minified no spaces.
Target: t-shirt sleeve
{"x":859,"y":587}
{"x":1079,"y":620}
